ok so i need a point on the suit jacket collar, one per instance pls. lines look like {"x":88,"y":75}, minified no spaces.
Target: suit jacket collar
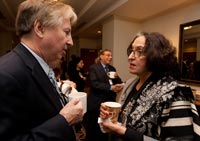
{"x":39,"y":75}
{"x":127,"y":89}
{"x":102,"y":70}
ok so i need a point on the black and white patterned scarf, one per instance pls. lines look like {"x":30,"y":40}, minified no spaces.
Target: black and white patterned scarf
{"x":149,"y":94}
{"x":153,"y":104}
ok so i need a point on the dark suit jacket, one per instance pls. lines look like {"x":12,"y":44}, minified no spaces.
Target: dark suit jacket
{"x":29,"y":104}
{"x":100,"y":86}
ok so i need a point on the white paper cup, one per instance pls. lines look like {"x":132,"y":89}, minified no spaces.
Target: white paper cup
{"x":83,"y":98}
{"x":111,"y":74}
{"x":114,"y":109}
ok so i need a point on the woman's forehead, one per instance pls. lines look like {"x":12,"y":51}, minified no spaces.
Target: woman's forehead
{"x":139,"y":42}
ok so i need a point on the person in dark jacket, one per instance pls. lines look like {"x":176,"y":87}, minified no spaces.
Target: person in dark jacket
{"x":78,"y":75}
{"x":102,"y":88}
{"x":31,"y":107}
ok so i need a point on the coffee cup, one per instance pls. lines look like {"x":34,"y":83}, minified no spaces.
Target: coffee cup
{"x":83,"y":98}
{"x":114,"y":109}
{"x":111,"y":74}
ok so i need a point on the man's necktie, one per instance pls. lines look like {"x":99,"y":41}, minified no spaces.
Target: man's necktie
{"x":63,"y":98}
{"x":106,"y":69}
{"x":107,"y":72}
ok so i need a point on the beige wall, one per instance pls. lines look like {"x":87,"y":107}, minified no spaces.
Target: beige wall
{"x":89,"y":43}
{"x":123,"y":35}
{"x":108,"y":34}
{"x":117,"y":35}
{"x":169,"y":23}
{"x":83,"y":43}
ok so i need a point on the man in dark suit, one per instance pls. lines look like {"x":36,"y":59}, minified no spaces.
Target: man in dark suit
{"x":31,"y":108}
{"x":102,"y":88}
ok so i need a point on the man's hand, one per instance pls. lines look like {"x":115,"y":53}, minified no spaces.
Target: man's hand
{"x":72,"y":111}
{"x":117,"y":87}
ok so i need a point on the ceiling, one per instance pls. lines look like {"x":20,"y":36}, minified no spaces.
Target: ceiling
{"x":92,"y":13}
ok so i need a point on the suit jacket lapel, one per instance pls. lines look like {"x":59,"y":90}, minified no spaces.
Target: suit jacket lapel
{"x":102,"y":71}
{"x":39,"y":75}
{"x":127,"y":89}
{"x":47,"y":86}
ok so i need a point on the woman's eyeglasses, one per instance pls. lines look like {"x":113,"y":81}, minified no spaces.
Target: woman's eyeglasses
{"x":136,"y":53}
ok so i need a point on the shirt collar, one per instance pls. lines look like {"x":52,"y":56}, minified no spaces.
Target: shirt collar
{"x":103,"y":65}
{"x":43,"y":64}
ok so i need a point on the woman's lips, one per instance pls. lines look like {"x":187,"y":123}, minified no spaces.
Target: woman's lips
{"x":132,"y":65}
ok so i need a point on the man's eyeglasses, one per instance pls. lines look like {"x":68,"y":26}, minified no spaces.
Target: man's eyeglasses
{"x":108,"y":55}
{"x":136,"y":53}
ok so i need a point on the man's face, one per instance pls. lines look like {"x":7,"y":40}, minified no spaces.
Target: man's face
{"x":106,"y":57}
{"x":55,"y":43}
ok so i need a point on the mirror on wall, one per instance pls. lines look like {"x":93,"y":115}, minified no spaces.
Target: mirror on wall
{"x":189,"y":52}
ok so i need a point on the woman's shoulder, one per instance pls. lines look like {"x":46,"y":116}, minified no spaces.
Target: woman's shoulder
{"x":184,"y":91}
{"x":132,"y":79}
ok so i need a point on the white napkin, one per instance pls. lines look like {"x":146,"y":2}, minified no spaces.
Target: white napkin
{"x":66,"y":86}
{"x":102,"y":120}
{"x":105,"y":120}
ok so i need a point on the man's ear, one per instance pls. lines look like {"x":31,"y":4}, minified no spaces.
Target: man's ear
{"x":38,"y":28}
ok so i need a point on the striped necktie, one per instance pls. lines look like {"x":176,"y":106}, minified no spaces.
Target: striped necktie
{"x":106,"y":69}
{"x":63,"y":98}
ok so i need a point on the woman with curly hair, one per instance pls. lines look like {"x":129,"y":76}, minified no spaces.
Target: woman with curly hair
{"x":154,"y":105}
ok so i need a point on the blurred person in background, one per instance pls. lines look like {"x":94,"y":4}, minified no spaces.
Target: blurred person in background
{"x":65,"y":86}
{"x":71,"y":65}
{"x":77,"y":74}
{"x":102,"y":88}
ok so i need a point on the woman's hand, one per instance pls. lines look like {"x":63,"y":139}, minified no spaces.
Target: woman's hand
{"x":113,"y":127}
{"x":109,"y":126}
{"x":103,"y":111}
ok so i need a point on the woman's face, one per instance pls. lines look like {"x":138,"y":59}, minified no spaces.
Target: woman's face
{"x":80,"y":64}
{"x":137,"y":61}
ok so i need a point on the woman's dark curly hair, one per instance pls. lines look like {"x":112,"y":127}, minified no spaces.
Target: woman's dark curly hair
{"x":160,"y":54}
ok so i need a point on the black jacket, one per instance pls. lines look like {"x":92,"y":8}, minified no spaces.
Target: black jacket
{"x":100,"y":86}
{"x":29,"y":104}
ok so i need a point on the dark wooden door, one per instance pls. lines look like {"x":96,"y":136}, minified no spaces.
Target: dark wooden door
{"x":88,"y":56}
